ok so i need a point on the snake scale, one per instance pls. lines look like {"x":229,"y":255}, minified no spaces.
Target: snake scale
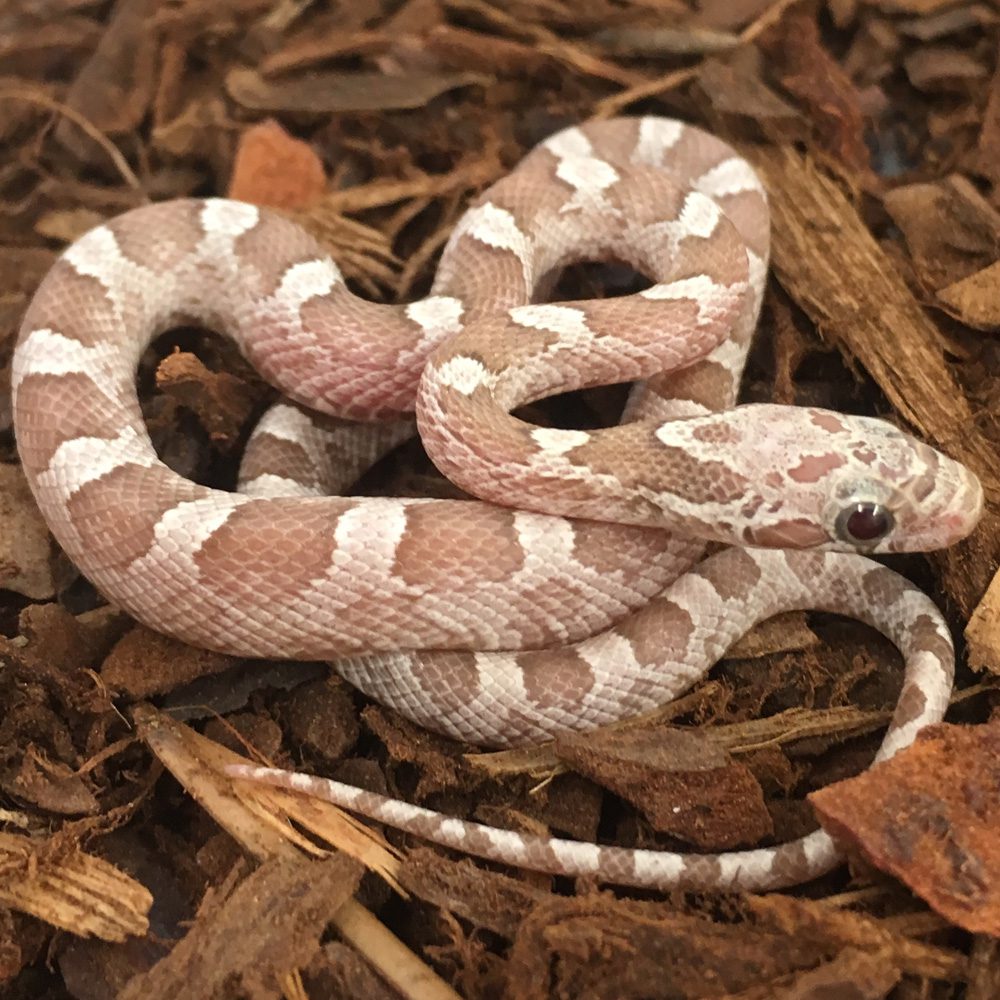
{"x":574,"y":592}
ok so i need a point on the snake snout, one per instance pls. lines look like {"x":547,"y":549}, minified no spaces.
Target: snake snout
{"x":956,"y":513}
{"x":966,"y":507}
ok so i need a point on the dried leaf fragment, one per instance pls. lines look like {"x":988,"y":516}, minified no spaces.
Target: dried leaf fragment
{"x":52,"y":785}
{"x":952,"y":232}
{"x":327,"y":93}
{"x":928,"y":816}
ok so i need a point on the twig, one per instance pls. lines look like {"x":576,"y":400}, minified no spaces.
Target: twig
{"x":83,"y":123}
{"x":612,"y":105}
{"x":548,"y":42}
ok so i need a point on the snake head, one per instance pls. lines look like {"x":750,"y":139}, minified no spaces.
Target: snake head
{"x":831,"y":481}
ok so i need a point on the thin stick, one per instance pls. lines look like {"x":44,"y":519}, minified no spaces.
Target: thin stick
{"x":612,"y":105}
{"x":83,"y":123}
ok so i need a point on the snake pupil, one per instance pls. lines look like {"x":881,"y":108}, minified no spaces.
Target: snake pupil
{"x":865,"y":522}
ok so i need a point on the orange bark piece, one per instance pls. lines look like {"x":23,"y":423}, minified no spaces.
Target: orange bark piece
{"x":275,"y":169}
{"x":928,"y":816}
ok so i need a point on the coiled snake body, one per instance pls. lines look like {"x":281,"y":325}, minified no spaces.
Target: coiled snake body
{"x":576,"y":597}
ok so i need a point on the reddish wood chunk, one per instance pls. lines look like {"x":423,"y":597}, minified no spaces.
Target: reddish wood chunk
{"x":928,"y":816}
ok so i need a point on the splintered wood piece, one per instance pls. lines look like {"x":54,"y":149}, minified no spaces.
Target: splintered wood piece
{"x":71,"y":889}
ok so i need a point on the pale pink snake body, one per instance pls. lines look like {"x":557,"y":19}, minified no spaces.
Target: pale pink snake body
{"x":444,"y":609}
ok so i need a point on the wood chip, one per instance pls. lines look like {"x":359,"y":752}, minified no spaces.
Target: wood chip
{"x":927,"y":816}
{"x":267,"y":927}
{"x":685,"y":784}
{"x":274,"y":169}
{"x":114,"y":88}
{"x":222,"y":401}
{"x":973,"y":300}
{"x":77,"y":892}
{"x":325,"y":93}
{"x":943,"y":68}
{"x":25,"y":544}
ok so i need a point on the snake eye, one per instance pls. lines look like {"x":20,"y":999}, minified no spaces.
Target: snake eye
{"x":864,"y":524}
